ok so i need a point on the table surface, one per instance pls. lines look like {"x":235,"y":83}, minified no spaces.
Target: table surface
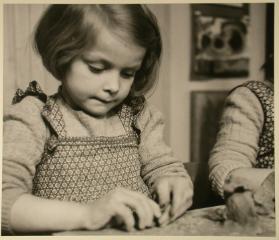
{"x":193,"y":223}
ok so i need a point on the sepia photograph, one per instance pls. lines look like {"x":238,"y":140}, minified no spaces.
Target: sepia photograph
{"x":138,"y":119}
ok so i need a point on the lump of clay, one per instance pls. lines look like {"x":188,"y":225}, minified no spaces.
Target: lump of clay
{"x":240,"y":208}
{"x":264,"y":197}
{"x":244,"y":206}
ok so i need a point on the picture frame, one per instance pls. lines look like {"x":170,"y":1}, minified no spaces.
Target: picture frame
{"x":220,"y":41}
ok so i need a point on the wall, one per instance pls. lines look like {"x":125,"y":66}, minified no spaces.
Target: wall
{"x":172,"y":95}
{"x":21,"y":64}
{"x":181,"y":85}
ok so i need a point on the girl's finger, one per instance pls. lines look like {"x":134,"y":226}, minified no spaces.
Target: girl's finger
{"x":155,"y":207}
{"x":139,"y":203}
{"x":164,"y":219}
{"x":180,"y":197}
{"x":126,"y":215}
{"x":180,"y":211}
{"x":182,"y":208}
{"x":163,"y":192}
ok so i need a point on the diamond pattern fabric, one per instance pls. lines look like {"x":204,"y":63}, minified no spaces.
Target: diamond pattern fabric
{"x":265,"y":94}
{"x":83,"y":169}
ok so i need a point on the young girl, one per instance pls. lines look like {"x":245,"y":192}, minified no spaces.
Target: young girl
{"x":244,"y":152}
{"x":93,"y":154}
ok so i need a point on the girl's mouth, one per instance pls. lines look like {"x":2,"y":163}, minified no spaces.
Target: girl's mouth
{"x":105,"y":101}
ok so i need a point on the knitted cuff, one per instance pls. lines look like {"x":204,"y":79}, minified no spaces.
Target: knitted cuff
{"x":219,"y":175}
{"x":176,"y":169}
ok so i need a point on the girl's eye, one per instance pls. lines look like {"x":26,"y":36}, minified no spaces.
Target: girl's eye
{"x":128,"y":74}
{"x":95,"y":69}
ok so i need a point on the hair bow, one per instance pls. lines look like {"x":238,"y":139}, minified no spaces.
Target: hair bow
{"x":33,"y":89}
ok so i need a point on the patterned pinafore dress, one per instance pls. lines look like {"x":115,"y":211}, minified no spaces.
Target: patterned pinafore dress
{"x":83,"y":169}
{"x":265,"y":157}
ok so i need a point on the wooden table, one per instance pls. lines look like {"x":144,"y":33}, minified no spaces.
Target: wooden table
{"x":192,"y":223}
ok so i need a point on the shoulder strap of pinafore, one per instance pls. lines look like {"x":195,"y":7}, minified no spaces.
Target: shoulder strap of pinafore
{"x":50,"y":112}
{"x":265,"y":95}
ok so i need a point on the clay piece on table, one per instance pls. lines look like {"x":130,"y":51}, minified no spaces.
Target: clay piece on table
{"x":245,"y":209}
{"x":240,"y":209}
{"x":264,"y":197}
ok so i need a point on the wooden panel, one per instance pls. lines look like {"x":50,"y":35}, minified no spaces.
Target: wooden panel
{"x":22,"y":45}
{"x":9,"y":69}
{"x":21,"y":63}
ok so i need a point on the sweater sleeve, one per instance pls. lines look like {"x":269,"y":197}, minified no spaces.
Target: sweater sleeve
{"x":23,"y":142}
{"x":157,"y":157}
{"x":237,"y":139}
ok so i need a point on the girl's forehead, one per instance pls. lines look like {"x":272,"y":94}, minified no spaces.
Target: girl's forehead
{"x":111,"y":45}
{"x":99,"y":23}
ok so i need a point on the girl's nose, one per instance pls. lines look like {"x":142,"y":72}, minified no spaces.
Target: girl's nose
{"x":112,"y":83}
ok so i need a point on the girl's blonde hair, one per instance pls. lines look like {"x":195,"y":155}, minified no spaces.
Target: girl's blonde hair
{"x":65,"y":31}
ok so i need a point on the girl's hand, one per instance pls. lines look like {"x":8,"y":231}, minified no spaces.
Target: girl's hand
{"x":174,"y":195}
{"x":125,"y":206}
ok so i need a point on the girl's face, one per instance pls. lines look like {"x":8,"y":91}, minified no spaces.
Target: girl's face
{"x":102,"y":77}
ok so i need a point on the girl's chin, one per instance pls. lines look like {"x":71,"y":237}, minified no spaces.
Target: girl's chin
{"x":98,"y":113}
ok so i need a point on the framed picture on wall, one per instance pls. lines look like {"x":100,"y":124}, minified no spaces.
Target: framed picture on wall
{"x":206,"y":110}
{"x":220,"y":38}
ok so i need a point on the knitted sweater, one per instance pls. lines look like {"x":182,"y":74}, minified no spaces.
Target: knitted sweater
{"x":25,"y":135}
{"x":237,"y":142}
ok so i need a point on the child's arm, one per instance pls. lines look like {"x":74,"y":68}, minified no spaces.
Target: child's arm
{"x":237,"y":141}
{"x":164,"y":174}
{"x":24,"y":135}
{"x":34,"y":214}
{"x":157,"y":157}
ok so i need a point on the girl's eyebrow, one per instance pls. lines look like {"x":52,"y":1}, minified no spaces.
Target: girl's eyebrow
{"x":107,"y":63}
{"x":101,"y":61}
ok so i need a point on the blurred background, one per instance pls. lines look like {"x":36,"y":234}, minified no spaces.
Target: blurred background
{"x":207,"y":50}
